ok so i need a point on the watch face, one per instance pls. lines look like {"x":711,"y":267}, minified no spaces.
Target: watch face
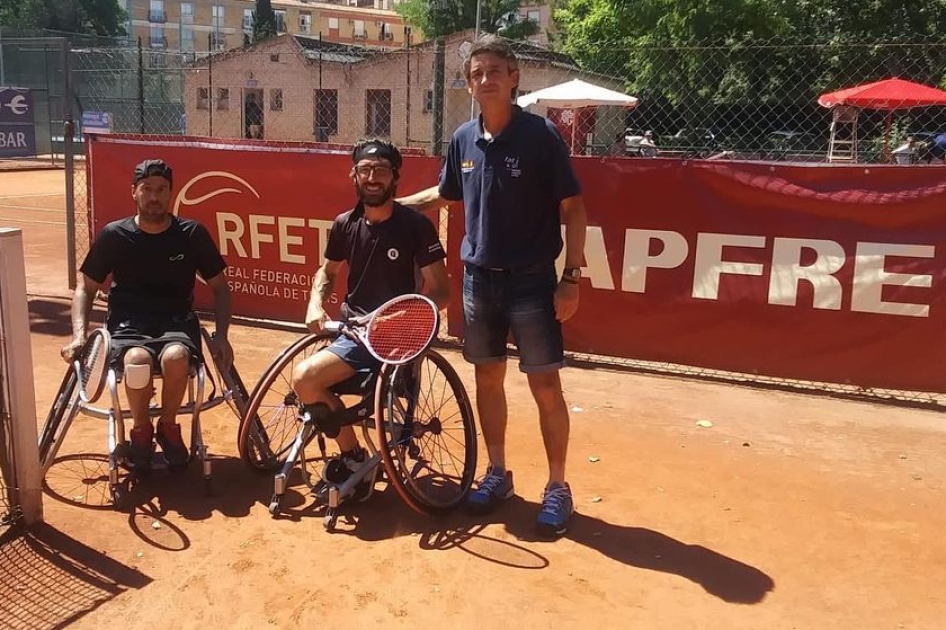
{"x":575,"y":272}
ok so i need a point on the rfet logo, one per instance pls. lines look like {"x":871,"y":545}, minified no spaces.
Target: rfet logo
{"x":245,"y":227}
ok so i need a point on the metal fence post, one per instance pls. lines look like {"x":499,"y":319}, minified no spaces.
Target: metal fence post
{"x":438,"y":98}
{"x":68,"y":147}
{"x":141,"y":89}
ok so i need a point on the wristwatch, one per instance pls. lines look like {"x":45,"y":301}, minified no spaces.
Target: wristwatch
{"x":571,"y":274}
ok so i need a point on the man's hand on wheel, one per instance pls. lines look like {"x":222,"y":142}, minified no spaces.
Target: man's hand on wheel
{"x":68,"y":352}
{"x":222,"y":352}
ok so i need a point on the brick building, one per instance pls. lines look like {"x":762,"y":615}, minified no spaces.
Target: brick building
{"x":318,"y":90}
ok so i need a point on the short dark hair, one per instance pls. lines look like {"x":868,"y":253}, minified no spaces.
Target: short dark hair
{"x":376,"y":148}
{"x":151,"y":168}
{"x":492,"y":44}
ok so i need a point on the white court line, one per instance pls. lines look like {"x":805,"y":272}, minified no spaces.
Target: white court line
{"x":58,"y":194}
{"x":33,"y":208}
{"x":17,"y":220}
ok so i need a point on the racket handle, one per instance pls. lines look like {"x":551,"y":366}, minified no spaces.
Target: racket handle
{"x":331,"y":326}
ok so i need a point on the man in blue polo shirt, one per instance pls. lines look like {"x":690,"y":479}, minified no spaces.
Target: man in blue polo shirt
{"x":513,"y":173}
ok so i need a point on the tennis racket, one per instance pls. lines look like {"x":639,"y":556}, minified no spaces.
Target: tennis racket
{"x":396,"y":332}
{"x":91,"y":365}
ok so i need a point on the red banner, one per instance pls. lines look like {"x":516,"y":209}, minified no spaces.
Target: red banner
{"x":807,"y":272}
{"x":269,"y":210}
{"x":816,"y":273}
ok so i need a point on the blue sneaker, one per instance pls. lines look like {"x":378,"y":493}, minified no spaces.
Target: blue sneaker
{"x":557,"y":508}
{"x":491,"y":489}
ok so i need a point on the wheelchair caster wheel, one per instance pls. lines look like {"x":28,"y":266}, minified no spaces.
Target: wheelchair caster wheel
{"x":208,"y":486}
{"x":120,"y":498}
{"x":329,"y":520}
{"x":275,"y":505}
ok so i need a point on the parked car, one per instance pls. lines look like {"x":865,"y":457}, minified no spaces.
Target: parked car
{"x":793,"y":145}
{"x":694,"y":142}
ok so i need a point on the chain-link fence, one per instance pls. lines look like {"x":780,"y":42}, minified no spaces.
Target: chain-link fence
{"x":756,"y":101}
{"x":35,"y":64}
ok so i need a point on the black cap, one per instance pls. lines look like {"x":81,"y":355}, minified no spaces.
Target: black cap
{"x":376,"y":149}
{"x":151,"y":168}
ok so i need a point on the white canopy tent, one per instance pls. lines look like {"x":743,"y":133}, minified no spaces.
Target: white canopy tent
{"x":576,"y":94}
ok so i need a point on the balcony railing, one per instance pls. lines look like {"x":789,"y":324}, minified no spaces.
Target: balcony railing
{"x":157,"y":16}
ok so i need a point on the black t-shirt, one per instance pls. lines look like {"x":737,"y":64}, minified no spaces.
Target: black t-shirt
{"x":152,"y":274}
{"x":382,"y":257}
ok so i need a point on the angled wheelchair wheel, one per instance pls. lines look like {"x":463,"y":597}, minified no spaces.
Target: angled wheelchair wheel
{"x":427,"y":434}
{"x":268,"y":424}
{"x":66,"y":405}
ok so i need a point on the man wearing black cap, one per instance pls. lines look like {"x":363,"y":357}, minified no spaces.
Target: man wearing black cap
{"x":384,"y":243}
{"x":153,"y":258}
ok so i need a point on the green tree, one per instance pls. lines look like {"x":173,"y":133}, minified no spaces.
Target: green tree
{"x":94,"y":17}
{"x":437,"y":18}
{"x":264,"y":20}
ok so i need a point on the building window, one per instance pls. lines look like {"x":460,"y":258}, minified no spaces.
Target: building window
{"x":280,"y":22}
{"x":428,"y":101}
{"x":203,"y":98}
{"x":247,"y":19}
{"x":533,"y":16}
{"x":275,"y":100}
{"x":223,"y":98}
{"x":157,"y":37}
{"x":305,"y":22}
{"x":218,"y":41}
{"x":187,"y":39}
{"x":378,"y":113}
{"x":187,"y":12}
{"x":156,"y":12}
{"x":217,"y":16}
{"x":326,"y":114}
{"x":359,"y":29}
{"x":333,"y":23}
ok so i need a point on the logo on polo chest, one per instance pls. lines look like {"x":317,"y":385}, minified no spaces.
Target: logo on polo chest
{"x":512,"y":165}
{"x":393,"y":254}
{"x":466,"y":166}
{"x":176,"y":258}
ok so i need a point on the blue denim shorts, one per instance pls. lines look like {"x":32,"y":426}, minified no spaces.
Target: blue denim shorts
{"x":521,"y":301}
{"x":355,"y":355}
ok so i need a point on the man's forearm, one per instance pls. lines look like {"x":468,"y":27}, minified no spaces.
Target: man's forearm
{"x":223,"y":311}
{"x":425,"y":200}
{"x":576,"y":223}
{"x":322,"y":285}
{"x":81,"y":307}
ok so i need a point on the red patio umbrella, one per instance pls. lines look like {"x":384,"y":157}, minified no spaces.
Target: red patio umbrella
{"x":888,"y":95}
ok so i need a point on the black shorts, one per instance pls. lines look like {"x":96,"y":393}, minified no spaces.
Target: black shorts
{"x":154,"y":334}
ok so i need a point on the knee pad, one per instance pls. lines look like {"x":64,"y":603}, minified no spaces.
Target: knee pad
{"x":137,"y":376}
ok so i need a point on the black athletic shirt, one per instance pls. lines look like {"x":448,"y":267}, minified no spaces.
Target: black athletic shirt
{"x":382,"y":257}
{"x":152,"y":274}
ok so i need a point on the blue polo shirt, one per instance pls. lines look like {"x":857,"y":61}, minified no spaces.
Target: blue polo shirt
{"x":511,"y":187}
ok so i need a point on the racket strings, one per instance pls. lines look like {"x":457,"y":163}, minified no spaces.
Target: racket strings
{"x":402,"y":330}
{"x":92,"y":364}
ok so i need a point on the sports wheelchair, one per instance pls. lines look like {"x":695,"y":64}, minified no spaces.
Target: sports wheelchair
{"x":87,"y":377}
{"x":416,"y":420}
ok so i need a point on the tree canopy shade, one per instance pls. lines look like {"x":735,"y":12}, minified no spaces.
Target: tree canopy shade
{"x":93,"y":17}
{"x":264,"y":20}
{"x":660,"y":46}
{"x":437,"y":18}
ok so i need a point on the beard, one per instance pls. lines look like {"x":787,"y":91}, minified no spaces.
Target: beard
{"x":153,"y":212}
{"x":375,"y":198}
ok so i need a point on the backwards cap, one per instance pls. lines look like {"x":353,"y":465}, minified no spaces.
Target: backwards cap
{"x":151,"y":168}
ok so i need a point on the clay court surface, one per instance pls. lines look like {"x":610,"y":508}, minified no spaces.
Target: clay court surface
{"x":791,"y":511}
